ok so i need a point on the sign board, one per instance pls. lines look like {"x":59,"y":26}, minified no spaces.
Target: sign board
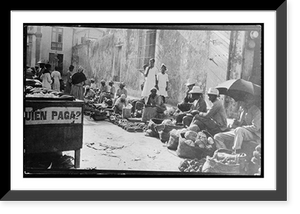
{"x":53,"y":115}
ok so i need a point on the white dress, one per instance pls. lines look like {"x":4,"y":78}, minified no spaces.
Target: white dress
{"x":56,"y":77}
{"x":150,"y":81}
{"x":46,"y":80}
{"x":162,"y":84}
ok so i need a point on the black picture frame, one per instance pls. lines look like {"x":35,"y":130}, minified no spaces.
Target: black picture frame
{"x":280,"y":194}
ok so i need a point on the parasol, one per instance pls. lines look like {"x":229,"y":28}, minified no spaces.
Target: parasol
{"x":239,"y":89}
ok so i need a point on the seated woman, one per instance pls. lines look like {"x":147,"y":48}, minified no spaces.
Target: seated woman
{"x":120,"y":103}
{"x":154,"y":106}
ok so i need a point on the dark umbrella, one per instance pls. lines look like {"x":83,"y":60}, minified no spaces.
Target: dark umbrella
{"x":239,"y":89}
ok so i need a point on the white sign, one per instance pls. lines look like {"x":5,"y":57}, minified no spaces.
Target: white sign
{"x":53,"y":115}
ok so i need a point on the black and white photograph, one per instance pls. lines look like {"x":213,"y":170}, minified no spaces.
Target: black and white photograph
{"x":148,"y":105}
{"x":143,"y":100}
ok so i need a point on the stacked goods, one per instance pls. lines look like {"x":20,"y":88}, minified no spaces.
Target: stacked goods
{"x":191,"y":165}
{"x":44,"y":93}
{"x":33,"y":83}
{"x":225,"y":162}
{"x":195,"y":145}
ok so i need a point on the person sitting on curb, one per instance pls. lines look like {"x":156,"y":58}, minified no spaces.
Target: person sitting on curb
{"x":248,"y":127}
{"x":215,"y":119}
{"x":199,"y":105}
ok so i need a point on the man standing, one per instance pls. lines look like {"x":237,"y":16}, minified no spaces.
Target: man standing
{"x":248,"y":127}
{"x":215,"y":119}
{"x":150,"y":78}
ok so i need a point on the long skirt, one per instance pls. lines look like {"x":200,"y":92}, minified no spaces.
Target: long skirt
{"x":77,"y":91}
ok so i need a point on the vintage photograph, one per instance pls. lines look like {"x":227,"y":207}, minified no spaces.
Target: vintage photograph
{"x":143,"y":100}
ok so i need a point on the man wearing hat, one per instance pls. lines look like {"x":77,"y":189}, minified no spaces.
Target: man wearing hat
{"x":185,"y":105}
{"x":199,"y":105}
{"x":215,"y":119}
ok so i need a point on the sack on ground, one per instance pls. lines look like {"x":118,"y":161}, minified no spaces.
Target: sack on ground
{"x":173,"y":140}
{"x":164,"y":136}
{"x":224,"y":162}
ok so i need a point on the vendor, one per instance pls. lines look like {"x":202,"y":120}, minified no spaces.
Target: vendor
{"x":247,"y":128}
{"x":199,"y":105}
{"x":93,"y":84}
{"x":120,"y":103}
{"x":121,"y":90}
{"x":155,"y":100}
{"x":89,"y":93}
{"x":215,"y":119}
{"x":103,"y":91}
{"x":186,"y":104}
{"x":112,"y":89}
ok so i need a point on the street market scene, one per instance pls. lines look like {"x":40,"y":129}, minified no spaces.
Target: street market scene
{"x":143,"y":100}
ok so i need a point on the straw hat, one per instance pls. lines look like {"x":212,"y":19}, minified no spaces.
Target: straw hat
{"x":213,"y":91}
{"x":190,"y":82}
{"x":196,"y":90}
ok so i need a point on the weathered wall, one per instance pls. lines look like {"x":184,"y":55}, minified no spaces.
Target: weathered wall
{"x":235,"y":65}
{"x":185,"y":54}
{"x":205,"y":56}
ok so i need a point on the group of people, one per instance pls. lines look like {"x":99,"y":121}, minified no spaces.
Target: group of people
{"x":193,"y":111}
{"x":50,"y":79}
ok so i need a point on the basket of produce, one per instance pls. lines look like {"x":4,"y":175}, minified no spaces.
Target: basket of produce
{"x":192,"y":165}
{"x":195,"y":145}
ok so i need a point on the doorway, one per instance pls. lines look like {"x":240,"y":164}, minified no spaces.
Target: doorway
{"x":56,"y":60}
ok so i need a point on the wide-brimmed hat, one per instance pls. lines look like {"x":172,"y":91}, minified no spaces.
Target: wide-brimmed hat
{"x":196,"y":90}
{"x":122,"y":84}
{"x":213,"y":91}
{"x":190,"y":82}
